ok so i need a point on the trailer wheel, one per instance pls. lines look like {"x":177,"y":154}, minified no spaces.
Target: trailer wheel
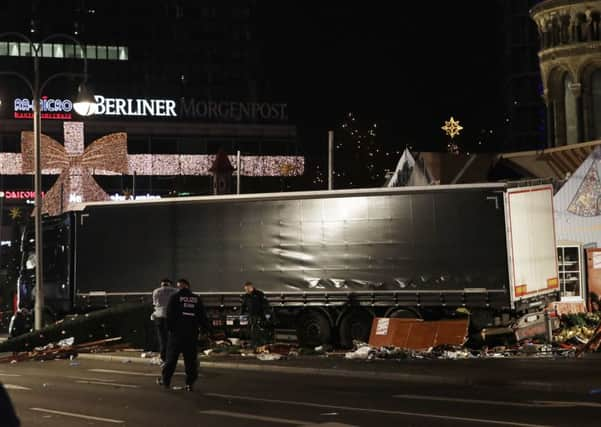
{"x":313,"y":328}
{"x":355,"y":325}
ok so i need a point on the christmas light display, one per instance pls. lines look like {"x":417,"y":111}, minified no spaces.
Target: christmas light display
{"x":108,"y":156}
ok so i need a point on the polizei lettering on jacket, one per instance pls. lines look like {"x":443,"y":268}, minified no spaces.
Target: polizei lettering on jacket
{"x":189,"y":302}
{"x":233,"y":111}
{"x":134,"y":107}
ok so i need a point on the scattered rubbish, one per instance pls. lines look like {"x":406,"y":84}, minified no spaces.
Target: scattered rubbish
{"x":12,"y":362}
{"x":362,"y":352}
{"x":74,"y":363}
{"x":65,"y":349}
{"x":269,"y":356}
{"x":147,"y":355}
{"x":126,"y":361}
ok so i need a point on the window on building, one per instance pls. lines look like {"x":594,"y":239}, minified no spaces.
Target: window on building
{"x":571,"y":114}
{"x":59,"y":51}
{"x":123,"y":55}
{"x":113,"y":53}
{"x":101,"y":52}
{"x":3,"y":48}
{"x":13,"y":49}
{"x":596,"y":95}
{"x":69,"y":51}
{"x":47,"y":50}
{"x":90,"y":51}
{"x":25,"y":49}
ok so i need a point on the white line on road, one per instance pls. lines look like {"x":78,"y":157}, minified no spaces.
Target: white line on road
{"x":74,"y":415}
{"x":253,"y":417}
{"x":459,"y":400}
{"x":376,"y":411}
{"x":138,"y":374}
{"x":531,"y":404}
{"x":15,"y":387}
{"x":107,"y":383}
{"x":271,"y":419}
{"x":114,"y":371}
{"x":4,"y":374}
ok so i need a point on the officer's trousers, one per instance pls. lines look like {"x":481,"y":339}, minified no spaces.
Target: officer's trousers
{"x":176,"y":346}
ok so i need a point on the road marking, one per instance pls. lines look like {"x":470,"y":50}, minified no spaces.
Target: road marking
{"x":459,"y":400}
{"x":107,"y":383}
{"x":531,"y":404}
{"x":253,"y":417}
{"x":271,"y":419}
{"x":91,"y":379}
{"x":114,"y":371}
{"x":15,"y":387}
{"x":376,"y":411}
{"x":566,"y":404}
{"x":4,"y":374}
{"x":138,"y":374}
{"x":74,"y":415}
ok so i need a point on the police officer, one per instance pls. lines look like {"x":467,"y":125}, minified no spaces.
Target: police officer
{"x":255,"y":305}
{"x":185,"y":314}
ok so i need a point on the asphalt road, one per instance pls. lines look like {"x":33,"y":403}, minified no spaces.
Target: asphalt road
{"x":107,"y":393}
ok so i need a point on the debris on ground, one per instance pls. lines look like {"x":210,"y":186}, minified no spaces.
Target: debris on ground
{"x":269,"y":356}
{"x":63,"y":349}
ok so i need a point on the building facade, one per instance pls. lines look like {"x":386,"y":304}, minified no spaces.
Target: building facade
{"x":570,"y":64}
{"x":178,"y":80}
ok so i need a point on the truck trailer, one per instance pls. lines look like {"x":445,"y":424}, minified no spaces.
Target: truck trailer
{"x":328,"y":261}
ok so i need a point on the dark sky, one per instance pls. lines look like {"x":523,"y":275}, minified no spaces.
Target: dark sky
{"x":407,"y":66}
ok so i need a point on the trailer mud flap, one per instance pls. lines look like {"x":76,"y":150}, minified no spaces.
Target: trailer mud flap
{"x":415,"y":334}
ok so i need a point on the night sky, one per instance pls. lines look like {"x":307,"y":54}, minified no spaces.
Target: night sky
{"x":407,"y":67}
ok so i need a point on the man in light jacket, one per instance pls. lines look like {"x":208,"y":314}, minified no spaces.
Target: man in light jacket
{"x":160,"y":299}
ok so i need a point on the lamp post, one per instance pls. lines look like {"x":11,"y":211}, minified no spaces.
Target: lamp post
{"x":84,"y":105}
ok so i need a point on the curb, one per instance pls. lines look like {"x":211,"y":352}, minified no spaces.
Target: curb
{"x":373,"y":375}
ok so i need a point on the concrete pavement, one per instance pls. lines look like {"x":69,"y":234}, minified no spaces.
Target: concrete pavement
{"x":108,"y":393}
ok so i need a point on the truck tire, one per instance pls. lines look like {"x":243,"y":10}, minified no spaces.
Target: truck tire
{"x":355,"y":325}
{"x":313,"y":328}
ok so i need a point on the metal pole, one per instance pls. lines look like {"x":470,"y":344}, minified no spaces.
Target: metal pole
{"x":37,"y":135}
{"x":330,"y":160}
{"x":133,"y":187}
{"x":238,"y":172}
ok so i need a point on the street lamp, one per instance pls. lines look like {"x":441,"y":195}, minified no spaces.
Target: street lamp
{"x":84,"y":106}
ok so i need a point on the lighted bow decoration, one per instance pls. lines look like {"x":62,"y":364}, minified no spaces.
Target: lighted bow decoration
{"x":75,"y":165}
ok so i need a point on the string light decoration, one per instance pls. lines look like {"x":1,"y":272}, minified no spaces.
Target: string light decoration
{"x":14,"y":213}
{"x":358,"y":155}
{"x":452,"y":128}
{"x":76,"y":166}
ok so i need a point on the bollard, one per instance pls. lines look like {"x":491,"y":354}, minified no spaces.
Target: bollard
{"x":548,"y":328}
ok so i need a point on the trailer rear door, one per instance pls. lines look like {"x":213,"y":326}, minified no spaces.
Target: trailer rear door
{"x":531,"y":242}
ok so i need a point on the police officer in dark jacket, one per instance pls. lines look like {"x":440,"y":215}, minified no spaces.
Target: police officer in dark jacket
{"x":185,"y":314}
{"x":255,"y":305}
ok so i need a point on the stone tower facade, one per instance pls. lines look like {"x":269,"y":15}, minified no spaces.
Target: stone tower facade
{"x":570,"y":64}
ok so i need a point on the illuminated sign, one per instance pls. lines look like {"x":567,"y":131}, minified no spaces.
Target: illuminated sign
{"x":226,"y":111}
{"x":233,"y":111}
{"x":57,"y":109}
{"x":134,"y":107}
{"x":18,"y":195}
{"x":147,"y":196}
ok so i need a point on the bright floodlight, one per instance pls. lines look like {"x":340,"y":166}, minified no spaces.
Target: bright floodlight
{"x":84,"y":105}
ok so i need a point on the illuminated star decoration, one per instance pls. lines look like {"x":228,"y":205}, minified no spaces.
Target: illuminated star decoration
{"x":15,"y":213}
{"x":452,"y":127}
